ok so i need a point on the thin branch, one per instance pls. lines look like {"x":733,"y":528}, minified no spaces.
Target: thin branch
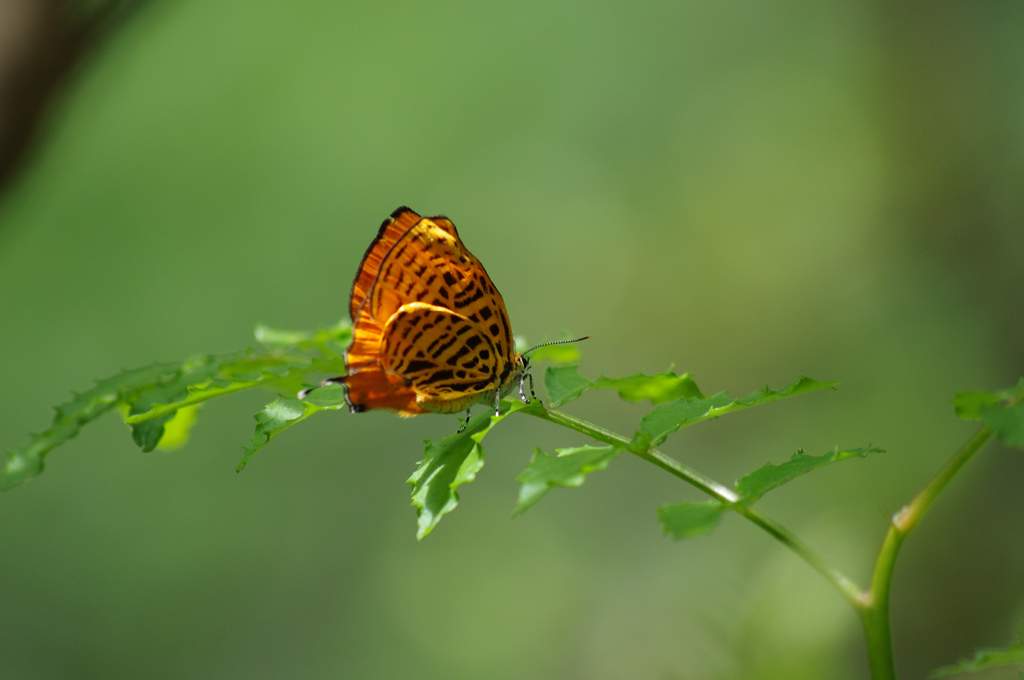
{"x":875,"y":612}
{"x":728,"y":497}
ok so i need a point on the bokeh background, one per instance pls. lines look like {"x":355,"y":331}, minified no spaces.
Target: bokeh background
{"x":747,"y":191}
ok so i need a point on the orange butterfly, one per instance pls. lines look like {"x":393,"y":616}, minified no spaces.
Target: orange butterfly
{"x":430,"y":329}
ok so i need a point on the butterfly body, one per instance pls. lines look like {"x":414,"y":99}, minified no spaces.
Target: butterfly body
{"x":430,"y":330}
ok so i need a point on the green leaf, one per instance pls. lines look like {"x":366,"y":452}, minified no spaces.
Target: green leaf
{"x":686,"y":520}
{"x":668,"y":418}
{"x":178,"y":429}
{"x":152,"y":398}
{"x":567,"y":468}
{"x":1008,"y":424}
{"x":447,"y":464}
{"x":656,"y":389}
{"x":172,"y":388}
{"x":564,"y":383}
{"x":1001,"y":411}
{"x":208,"y":377}
{"x":21,"y":464}
{"x":273,"y":419}
{"x":971,"y":405}
{"x":985,"y":659}
{"x":770,"y":476}
{"x":148,"y":434}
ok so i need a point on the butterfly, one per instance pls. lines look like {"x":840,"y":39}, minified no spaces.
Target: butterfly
{"x":430,"y":332}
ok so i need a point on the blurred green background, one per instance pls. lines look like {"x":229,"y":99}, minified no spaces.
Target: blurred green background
{"x":747,"y":191}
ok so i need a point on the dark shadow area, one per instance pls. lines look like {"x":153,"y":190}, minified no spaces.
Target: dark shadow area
{"x":42,"y":44}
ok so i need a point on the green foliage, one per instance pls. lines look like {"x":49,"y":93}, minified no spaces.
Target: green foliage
{"x":458,"y":459}
{"x":163,"y":398}
{"x":686,"y":520}
{"x":151,"y":398}
{"x":679,"y":403}
{"x":657,"y":389}
{"x":985,"y":659}
{"x":178,"y":429}
{"x":272,"y":420}
{"x":566,"y":468}
{"x":1001,"y":411}
{"x":672,"y":416}
{"x":565,"y":384}
{"x":160,"y":403}
{"x":767,"y":477}
{"x":447,"y":464}
{"x":287,"y":412}
{"x":27,"y":461}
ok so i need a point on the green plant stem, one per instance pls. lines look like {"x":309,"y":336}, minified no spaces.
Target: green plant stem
{"x":871,"y":605}
{"x":874,"y":605}
{"x":720,"y":492}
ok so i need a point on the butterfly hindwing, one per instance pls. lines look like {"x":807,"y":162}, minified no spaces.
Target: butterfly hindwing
{"x":439,"y":353}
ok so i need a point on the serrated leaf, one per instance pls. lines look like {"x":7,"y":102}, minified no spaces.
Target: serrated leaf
{"x":173,"y":387}
{"x":770,"y":476}
{"x":447,"y":464}
{"x":686,"y":520}
{"x":564,"y":383}
{"x":205,"y":378}
{"x":151,"y":396}
{"x":566,"y":468}
{"x":22,"y":463}
{"x":985,"y":659}
{"x":1002,"y":411}
{"x":273,"y":419}
{"x":670,"y":417}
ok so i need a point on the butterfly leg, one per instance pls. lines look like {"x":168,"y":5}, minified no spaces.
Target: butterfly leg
{"x":497,"y":403}
{"x":522,"y":392}
{"x":337,"y":380}
{"x":465,"y":422}
{"x":533,"y":394}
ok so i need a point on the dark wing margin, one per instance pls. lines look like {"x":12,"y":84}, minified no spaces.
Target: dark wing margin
{"x":391,"y":231}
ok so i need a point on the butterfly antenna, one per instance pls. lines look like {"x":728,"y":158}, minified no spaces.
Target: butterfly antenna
{"x":556,"y":342}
